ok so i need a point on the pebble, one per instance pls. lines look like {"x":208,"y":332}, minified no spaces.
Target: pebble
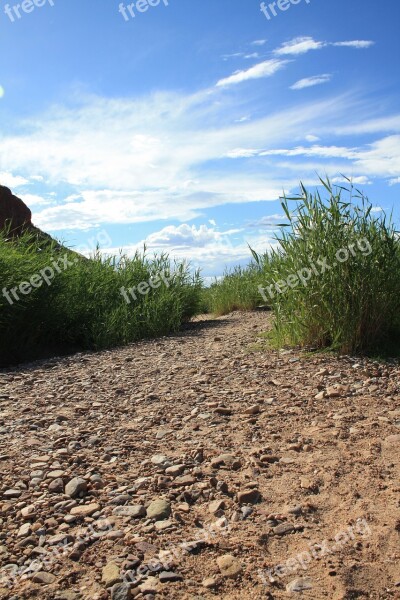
{"x":229,"y":566}
{"x":135,"y":511}
{"x":110,"y":574}
{"x":121,"y":591}
{"x":43,"y":578}
{"x":299,"y":585}
{"x":169,"y":577}
{"x":159,"y":509}
{"x":84,"y":510}
{"x":249,"y":497}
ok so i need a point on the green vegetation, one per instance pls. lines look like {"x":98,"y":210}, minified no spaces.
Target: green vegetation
{"x":83,"y":307}
{"x":335,"y":276}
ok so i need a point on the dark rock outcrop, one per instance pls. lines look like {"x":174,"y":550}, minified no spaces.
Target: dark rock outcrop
{"x":14,"y":214}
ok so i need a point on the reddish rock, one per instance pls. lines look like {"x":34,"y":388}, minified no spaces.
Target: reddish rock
{"x":13,"y":212}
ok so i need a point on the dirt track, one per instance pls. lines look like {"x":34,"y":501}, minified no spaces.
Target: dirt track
{"x":250,"y":463}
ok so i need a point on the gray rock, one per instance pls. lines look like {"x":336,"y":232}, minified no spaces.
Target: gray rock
{"x":121,"y":591}
{"x":169,"y":577}
{"x":135,"y":512}
{"x":76,"y":488}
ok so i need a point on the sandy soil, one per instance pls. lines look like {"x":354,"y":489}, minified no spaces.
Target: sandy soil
{"x":276,"y":475}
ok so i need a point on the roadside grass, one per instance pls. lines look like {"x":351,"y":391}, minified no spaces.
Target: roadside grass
{"x":83,"y":308}
{"x":352,"y":305}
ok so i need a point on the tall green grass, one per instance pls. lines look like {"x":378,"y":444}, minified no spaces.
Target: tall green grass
{"x":237,"y":290}
{"x":83,"y":308}
{"x":350,"y":305}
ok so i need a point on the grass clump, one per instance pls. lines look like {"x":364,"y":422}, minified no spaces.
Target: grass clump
{"x":332,"y":279}
{"x":83,"y":308}
{"x":237,"y":290}
{"x":349,"y":298}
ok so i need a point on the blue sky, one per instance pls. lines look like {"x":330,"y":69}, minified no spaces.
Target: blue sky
{"x":181,"y":126}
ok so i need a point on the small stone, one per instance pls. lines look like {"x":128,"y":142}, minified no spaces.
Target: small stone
{"x":110,"y":574}
{"x":169,"y":577}
{"x":299,"y":585}
{"x":56,"y":486}
{"x":8,"y":494}
{"x":121,"y":591}
{"x":159,"y":459}
{"x":227,"y":460}
{"x":159,"y":509}
{"x":43,"y":578}
{"x":283,"y":529}
{"x":24,"y":530}
{"x":215,"y":506}
{"x":162,"y":525}
{"x":229,"y":566}
{"x":175,"y":470}
{"x":76,"y":488}
{"x":222,"y":410}
{"x":252,"y":410}
{"x":209,"y":583}
{"x":85,"y":510}
{"x":28,"y":512}
{"x":320,"y":396}
{"x":249,"y":497}
{"x":135,"y":512}
{"x":150,"y":586}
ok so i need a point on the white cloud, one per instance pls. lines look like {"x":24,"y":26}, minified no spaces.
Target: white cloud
{"x":203,"y":246}
{"x":299,"y":45}
{"x":311,"y":81}
{"x":258,"y":42}
{"x":2,"y":92}
{"x":263,"y":69}
{"x":360,"y":180}
{"x":12,"y":181}
{"x":394,"y":181}
{"x":355,"y":44}
{"x":311,"y":138}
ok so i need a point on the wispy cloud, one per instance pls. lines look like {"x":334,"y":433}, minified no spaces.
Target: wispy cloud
{"x":355,"y":44}
{"x":258,"y":42}
{"x":311,"y":81}
{"x":263,"y":69}
{"x":303,"y":44}
{"x":299,"y":45}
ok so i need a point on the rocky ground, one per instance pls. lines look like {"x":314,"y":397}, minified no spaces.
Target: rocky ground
{"x":200,"y":466}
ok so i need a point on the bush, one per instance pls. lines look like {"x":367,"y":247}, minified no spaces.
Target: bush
{"x":83,"y":307}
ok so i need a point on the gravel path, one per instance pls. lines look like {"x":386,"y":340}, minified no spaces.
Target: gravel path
{"x":200,"y":466}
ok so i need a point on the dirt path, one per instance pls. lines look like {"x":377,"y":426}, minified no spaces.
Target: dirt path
{"x":251,"y":469}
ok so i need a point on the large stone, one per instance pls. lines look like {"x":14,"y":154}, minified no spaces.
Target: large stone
{"x":76,"y":488}
{"x":159,"y":509}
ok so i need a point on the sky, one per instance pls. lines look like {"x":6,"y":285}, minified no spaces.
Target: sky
{"x":179,"y":124}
